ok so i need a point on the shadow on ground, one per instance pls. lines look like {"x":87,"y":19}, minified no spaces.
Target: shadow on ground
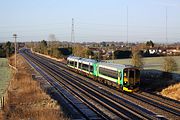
{"x":156,"y":80}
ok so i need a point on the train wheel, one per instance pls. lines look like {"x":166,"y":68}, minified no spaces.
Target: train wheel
{"x":121,"y":88}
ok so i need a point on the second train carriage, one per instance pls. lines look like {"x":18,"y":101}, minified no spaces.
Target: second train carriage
{"x":125,"y":77}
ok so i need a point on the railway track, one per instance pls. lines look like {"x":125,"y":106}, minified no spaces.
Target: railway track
{"x":76,"y":112}
{"x":175,"y":106}
{"x":161,"y":99}
{"x":162,"y":103}
{"x":109,"y":104}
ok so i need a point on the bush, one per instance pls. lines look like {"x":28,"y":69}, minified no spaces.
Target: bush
{"x":169,"y":64}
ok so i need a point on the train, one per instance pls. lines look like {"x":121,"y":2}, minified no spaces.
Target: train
{"x":123,"y":77}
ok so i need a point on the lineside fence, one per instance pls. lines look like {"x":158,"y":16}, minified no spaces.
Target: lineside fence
{"x":5,"y":92}
{"x":2,"y":103}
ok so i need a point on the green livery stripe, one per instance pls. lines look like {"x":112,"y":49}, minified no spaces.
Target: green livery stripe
{"x":108,"y":78}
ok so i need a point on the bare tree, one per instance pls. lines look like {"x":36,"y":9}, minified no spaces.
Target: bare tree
{"x":137,"y":58}
{"x":169,"y":64}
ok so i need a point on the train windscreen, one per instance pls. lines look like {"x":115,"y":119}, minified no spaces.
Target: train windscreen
{"x":129,"y":76}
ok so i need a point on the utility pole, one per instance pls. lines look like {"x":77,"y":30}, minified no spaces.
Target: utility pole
{"x":15,"y":37}
{"x":72,"y":36}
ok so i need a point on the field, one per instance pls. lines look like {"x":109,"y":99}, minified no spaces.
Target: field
{"x":151,"y":76}
{"x":5,"y":75}
{"x":150,"y":62}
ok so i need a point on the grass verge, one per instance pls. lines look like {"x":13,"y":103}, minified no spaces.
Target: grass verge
{"x":26,"y":100}
{"x":5,"y":75}
{"x":172,"y":91}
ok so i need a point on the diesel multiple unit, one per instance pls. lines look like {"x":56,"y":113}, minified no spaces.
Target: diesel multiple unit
{"x":124,"y":77}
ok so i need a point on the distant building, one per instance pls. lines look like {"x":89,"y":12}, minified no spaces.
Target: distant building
{"x":156,"y":50}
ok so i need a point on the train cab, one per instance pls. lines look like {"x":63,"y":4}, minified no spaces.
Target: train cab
{"x":131,"y":79}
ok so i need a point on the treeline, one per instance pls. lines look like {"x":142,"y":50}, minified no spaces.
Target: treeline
{"x":6,"y":49}
{"x":52,"y":49}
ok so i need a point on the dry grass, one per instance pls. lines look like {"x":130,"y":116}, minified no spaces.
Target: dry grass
{"x":26,"y":100}
{"x":1,"y":115}
{"x":48,"y":56}
{"x":172,"y":91}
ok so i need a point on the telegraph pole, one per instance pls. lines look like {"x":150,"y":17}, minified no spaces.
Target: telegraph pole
{"x":72,"y":31}
{"x":15,"y":37}
{"x":72,"y":36}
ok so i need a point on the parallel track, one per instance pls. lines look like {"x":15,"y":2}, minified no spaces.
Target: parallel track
{"x":53,"y":83}
{"x":103,"y":99}
{"x":166,"y":105}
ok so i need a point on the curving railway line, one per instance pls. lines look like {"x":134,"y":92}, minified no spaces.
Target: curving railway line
{"x":106,"y":104}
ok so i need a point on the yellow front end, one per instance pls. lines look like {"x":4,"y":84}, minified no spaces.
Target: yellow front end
{"x":129,"y":90}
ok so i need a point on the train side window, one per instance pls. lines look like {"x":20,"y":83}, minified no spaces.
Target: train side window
{"x":91,"y":68}
{"x":75,"y":64}
{"x":71,"y":63}
{"x":80,"y":65}
{"x":85,"y":67}
{"x":108,"y":72}
{"x":68,"y":62}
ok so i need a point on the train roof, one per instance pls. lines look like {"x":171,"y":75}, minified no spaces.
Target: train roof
{"x":113,"y":66}
{"x":82,"y":60}
{"x":87,"y":61}
{"x":73,"y":58}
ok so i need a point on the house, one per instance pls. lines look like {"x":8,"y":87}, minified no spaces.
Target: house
{"x":156,"y":50}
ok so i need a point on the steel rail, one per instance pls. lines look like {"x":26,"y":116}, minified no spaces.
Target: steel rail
{"x":165,"y":107}
{"x":59,"y":92}
{"x":121,"y":105}
{"x":94,"y":92}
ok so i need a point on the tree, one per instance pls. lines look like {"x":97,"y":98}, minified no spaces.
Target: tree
{"x":137,"y":58}
{"x":150,"y":44}
{"x":43,"y":47}
{"x":79,"y":50}
{"x":169,"y":64}
{"x":56,"y":53}
{"x":8,"y":48}
{"x":103,"y":44}
{"x":89,"y":53}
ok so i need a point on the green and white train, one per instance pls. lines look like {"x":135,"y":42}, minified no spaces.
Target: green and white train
{"x":124,"y":77}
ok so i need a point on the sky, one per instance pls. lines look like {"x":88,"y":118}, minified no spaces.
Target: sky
{"x":94,"y":20}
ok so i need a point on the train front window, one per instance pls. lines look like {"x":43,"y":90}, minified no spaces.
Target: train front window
{"x":137,"y":74}
{"x":129,"y":76}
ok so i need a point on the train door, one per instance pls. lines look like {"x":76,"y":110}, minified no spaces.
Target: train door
{"x":95,"y":70}
{"x":120,"y":77}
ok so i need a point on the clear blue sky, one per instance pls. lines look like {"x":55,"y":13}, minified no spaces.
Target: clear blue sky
{"x":95,"y":20}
